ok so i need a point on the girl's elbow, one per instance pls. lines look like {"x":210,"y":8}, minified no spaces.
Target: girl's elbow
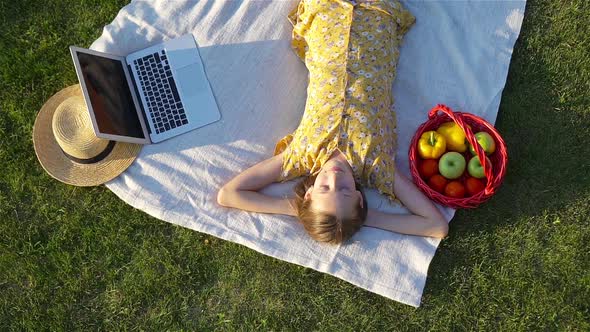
{"x":441,"y":229}
{"x":223,"y":196}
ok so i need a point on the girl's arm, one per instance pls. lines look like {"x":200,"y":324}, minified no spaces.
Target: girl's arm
{"x":242,"y":191}
{"x":425,"y":219}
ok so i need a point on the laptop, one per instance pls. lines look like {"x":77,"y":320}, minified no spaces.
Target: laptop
{"x":147,"y":96}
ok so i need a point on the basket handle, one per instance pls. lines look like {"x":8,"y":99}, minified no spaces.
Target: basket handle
{"x":458,"y":119}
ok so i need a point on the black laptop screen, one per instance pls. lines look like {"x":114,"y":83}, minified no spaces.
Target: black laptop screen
{"x":109,"y":94}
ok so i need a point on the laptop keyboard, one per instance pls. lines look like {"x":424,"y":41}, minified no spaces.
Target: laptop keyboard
{"x":159,"y":88}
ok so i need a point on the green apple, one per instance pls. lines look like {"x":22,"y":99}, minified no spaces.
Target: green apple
{"x":451,"y":165}
{"x":475,"y":169}
{"x":486,"y":141}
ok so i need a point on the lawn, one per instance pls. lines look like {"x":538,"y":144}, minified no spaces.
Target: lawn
{"x":80,"y":258}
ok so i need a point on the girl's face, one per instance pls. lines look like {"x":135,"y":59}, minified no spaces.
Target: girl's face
{"x":334,"y":191}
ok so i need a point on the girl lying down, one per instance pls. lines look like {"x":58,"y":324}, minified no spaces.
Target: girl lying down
{"x":347,"y":135}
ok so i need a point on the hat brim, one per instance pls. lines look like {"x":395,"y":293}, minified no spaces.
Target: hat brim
{"x":59,"y":166}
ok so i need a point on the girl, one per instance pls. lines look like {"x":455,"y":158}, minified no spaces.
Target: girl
{"x":347,"y":133}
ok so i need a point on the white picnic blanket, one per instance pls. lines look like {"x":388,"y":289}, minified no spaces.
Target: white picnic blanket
{"x":457,"y":53}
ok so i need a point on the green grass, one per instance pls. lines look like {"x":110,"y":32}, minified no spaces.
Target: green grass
{"x":80,"y":258}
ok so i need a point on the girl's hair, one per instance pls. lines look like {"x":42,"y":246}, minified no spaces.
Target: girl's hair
{"x":323,"y":227}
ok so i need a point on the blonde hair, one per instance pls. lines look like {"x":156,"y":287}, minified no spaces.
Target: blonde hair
{"x":323,"y":227}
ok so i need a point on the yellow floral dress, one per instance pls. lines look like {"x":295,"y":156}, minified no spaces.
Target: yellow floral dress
{"x":351,"y":49}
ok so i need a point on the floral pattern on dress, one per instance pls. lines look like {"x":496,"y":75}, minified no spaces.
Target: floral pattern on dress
{"x":351,"y":49}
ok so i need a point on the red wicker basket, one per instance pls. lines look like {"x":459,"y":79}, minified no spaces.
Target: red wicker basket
{"x":493,"y":175}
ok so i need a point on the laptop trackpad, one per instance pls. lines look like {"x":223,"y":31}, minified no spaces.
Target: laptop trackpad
{"x":192,"y":81}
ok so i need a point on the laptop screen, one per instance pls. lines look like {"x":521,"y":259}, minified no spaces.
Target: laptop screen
{"x":110,"y":96}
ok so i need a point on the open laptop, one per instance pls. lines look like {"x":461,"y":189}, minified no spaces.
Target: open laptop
{"x":149,"y":95}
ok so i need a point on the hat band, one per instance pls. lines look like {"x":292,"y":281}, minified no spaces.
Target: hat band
{"x":94,"y":159}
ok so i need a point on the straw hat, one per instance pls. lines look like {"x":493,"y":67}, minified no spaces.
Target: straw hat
{"x":67,"y":147}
